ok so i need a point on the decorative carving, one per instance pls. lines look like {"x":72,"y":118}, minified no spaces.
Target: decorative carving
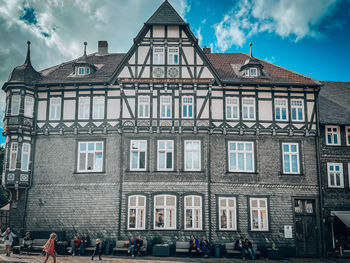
{"x":173,"y":72}
{"x":158,"y":72}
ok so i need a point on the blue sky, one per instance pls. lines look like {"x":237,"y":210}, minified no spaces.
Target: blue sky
{"x":311,"y":37}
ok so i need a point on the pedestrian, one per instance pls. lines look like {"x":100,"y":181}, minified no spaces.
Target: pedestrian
{"x":98,"y":249}
{"x":49,"y":248}
{"x":27,"y":244}
{"x":8,"y":239}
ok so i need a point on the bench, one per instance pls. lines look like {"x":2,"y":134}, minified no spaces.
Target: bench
{"x":182,"y":247}
{"x":230,"y":249}
{"x":123,"y":246}
{"x":89,"y":248}
{"x":37,"y":245}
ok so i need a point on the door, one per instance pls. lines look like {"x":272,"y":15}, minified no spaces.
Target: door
{"x":306,"y":228}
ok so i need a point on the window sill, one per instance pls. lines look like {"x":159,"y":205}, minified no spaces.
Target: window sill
{"x":90,"y":173}
{"x":259,"y":231}
{"x":287,"y":175}
{"x":227,"y":230}
{"x":336,"y":187}
{"x":229,"y":172}
{"x":194,"y":230}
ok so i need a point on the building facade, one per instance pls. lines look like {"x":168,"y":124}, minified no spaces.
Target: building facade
{"x":168,"y":139}
{"x":335,"y":162}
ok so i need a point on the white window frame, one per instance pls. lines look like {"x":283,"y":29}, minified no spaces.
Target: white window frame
{"x":84,"y":108}
{"x":87,"y":71}
{"x":98,"y":109}
{"x":281,"y":107}
{"x":251,"y":72}
{"x":250,"y":108}
{"x":15,"y":104}
{"x":140,"y":209}
{"x":259,"y":208}
{"x":165,"y":105}
{"x":28,"y":106}
{"x":332,"y":174}
{"x":332,"y":132}
{"x":244,"y":152}
{"x":25,"y":152}
{"x":138,"y":151}
{"x":158,"y":55}
{"x":228,"y":211}
{"x":192,"y":152}
{"x":187,"y":104}
{"x":193,"y":208}
{"x":83,"y":71}
{"x":232,"y":104}
{"x":55,"y":108}
{"x":347,"y":135}
{"x":297,"y":104}
{"x":165,"y":207}
{"x":349,"y":174}
{"x":143,"y":106}
{"x":290,"y":154}
{"x":87,"y":151}
{"x":172,"y":53}
{"x":13,"y":150}
{"x":166,"y":150}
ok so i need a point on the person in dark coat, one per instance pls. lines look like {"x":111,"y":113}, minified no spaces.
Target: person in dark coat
{"x":27,"y":243}
{"x":204,"y":246}
{"x":98,"y":249}
{"x":249,"y":247}
{"x":85,"y":242}
{"x":239,"y":245}
{"x":194,"y":245}
{"x":138,"y":245}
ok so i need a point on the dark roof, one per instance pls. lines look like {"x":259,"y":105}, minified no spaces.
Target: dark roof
{"x":334,"y":102}
{"x":224,"y":63}
{"x":63,"y":73}
{"x":166,"y":15}
{"x":25,"y":73}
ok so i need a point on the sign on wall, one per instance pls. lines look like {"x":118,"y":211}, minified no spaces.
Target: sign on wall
{"x":288,"y":232}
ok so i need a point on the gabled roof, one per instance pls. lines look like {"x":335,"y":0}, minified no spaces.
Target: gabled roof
{"x":166,"y":15}
{"x":227,"y":64}
{"x":334,"y":102}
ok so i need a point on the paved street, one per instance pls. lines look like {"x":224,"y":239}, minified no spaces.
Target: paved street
{"x":69,"y":259}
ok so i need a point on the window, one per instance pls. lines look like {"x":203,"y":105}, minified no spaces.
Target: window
{"x":253,"y":72}
{"x":165,"y":107}
{"x":332,"y":135}
{"x":347,"y":132}
{"x":55,"y":109}
{"x":232,"y":108}
{"x":297,"y":107}
{"x":13,"y":156}
{"x":165,"y":155}
{"x":90,"y":157}
{"x":227,"y":213}
{"x":158,"y":56}
{"x":98,"y":107}
{"x":258,"y":214}
{"x":187,"y":107}
{"x":87,"y":70}
{"x":193,"y":212}
{"x":28,"y":106}
{"x":248,"y":108}
{"x":281,"y":109}
{"x":84,"y":108}
{"x":15,"y":104}
{"x":81,"y":71}
{"x":138,"y":155}
{"x":335,"y":175}
{"x":173,"y":56}
{"x":25,"y":156}
{"x":290,"y":158}
{"x":143,"y":106}
{"x":192,"y":155}
{"x":165,"y":212}
{"x":241,"y":156}
{"x":137,"y":212}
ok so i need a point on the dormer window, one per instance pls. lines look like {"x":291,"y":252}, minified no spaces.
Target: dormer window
{"x":83,"y":71}
{"x":251,"y":72}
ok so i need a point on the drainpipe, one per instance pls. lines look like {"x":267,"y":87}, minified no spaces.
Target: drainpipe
{"x":320,"y":179}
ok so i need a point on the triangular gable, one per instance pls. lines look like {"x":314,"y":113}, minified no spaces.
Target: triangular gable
{"x":163,"y":25}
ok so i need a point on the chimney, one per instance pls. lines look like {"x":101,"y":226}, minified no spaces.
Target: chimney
{"x":206,"y":50}
{"x":102,"y":48}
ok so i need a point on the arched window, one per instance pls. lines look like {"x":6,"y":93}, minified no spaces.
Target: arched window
{"x":136,"y":212}
{"x":193,"y":212}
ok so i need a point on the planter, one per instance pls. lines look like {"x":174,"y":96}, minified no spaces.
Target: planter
{"x":161,"y":250}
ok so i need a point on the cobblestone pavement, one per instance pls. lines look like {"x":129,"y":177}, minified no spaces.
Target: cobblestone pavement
{"x":69,"y":259}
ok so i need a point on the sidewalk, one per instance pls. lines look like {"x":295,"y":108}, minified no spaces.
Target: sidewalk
{"x":114,"y":259}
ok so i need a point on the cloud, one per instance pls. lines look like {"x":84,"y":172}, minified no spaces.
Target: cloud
{"x":289,"y":19}
{"x":58,"y":28}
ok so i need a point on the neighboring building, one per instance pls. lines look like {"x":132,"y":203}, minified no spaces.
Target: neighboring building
{"x":166,"y":139}
{"x":334,"y":139}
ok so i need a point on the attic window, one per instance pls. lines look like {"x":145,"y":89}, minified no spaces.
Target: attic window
{"x":251,"y":72}
{"x":83,"y":71}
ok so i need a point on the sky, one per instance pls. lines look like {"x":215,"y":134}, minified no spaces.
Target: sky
{"x":311,"y":37}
